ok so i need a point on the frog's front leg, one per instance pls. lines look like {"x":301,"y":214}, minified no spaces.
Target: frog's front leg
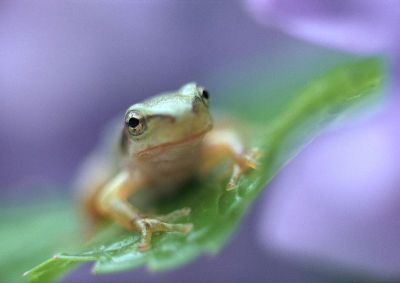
{"x":113,"y":202}
{"x":221,"y":143}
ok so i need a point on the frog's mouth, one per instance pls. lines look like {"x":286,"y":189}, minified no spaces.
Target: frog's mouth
{"x":164,"y":146}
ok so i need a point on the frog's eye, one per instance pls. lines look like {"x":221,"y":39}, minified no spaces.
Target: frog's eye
{"x":135,"y":123}
{"x":205,"y":96}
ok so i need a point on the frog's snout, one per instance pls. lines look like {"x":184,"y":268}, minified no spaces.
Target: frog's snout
{"x":197,"y":104}
{"x":200,"y":100}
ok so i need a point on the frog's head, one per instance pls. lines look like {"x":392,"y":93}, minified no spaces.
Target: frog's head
{"x":168,"y":120}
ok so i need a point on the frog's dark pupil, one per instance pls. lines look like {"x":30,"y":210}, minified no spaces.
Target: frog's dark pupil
{"x":206,"y":95}
{"x":133,"y":122}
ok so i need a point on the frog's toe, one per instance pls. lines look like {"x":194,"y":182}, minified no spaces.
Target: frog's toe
{"x":144,"y":246}
{"x":186,"y":228}
{"x":251,"y":158}
{"x":175,"y":215}
{"x":247,"y":162}
{"x":148,"y":226}
{"x":237,"y":171}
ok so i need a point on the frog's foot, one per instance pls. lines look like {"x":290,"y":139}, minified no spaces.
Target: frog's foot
{"x":148,"y":226}
{"x":243,"y":163}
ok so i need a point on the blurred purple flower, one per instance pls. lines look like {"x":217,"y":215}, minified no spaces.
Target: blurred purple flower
{"x":339,"y":200}
{"x":357,"y":25}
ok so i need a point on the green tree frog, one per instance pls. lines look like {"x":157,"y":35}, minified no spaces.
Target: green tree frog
{"x":162,"y":143}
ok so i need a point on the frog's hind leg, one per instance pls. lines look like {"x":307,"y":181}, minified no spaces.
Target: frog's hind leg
{"x":113,"y":203}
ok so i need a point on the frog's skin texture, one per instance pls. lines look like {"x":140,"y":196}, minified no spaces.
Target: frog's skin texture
{"x":164,"y":142}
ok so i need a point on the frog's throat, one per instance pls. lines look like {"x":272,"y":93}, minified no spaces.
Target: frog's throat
{"x":164,"y":146}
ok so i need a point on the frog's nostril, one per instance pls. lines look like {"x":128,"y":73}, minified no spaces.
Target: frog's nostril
{"x":196,"y":104}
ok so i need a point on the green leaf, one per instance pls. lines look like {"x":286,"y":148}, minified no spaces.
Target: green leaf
{"x":215,"y":211}
{"x":31,"y":232}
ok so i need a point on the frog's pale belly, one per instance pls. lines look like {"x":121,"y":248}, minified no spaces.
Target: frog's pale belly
{"x":169,"y":168}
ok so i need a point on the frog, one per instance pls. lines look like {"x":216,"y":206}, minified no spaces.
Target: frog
{"x":159,"y":145}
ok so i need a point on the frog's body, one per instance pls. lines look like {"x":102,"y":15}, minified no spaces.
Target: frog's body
{"x":164,"y":142}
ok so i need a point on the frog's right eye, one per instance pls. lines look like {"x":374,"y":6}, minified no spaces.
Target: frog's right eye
{"x":205,"y":94}
{"x":135,"y":123}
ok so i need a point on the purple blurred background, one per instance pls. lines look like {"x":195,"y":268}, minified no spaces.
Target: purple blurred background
{"x":66,"y":68}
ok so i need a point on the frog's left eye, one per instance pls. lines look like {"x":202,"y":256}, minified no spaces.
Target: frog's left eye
{"x":135,"y":123}
{"x":205,"y":96}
